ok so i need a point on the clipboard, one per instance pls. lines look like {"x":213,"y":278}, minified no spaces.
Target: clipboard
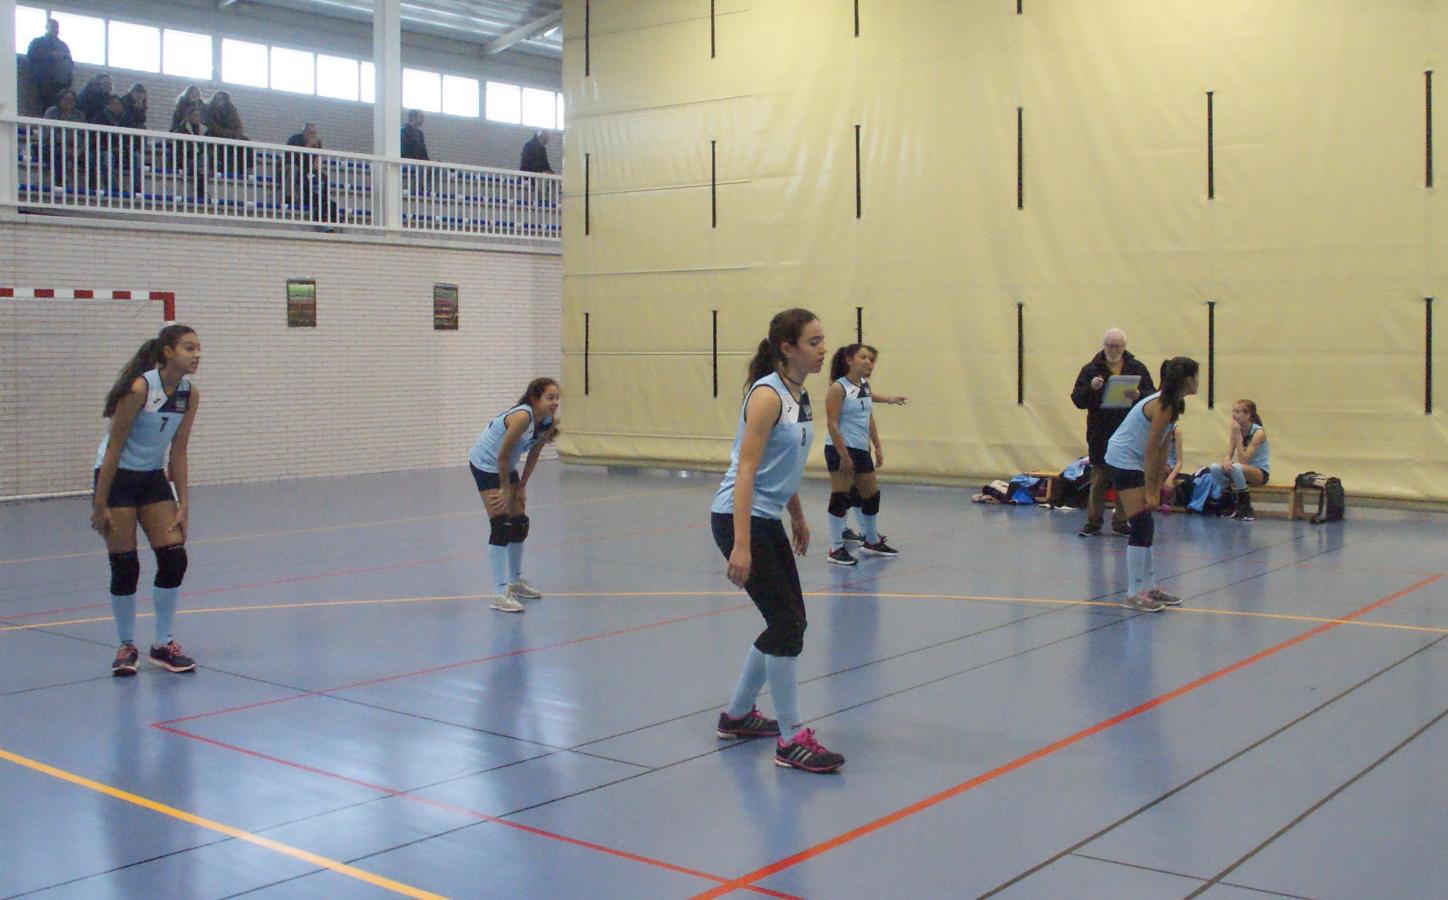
{"x":1114,"y":394}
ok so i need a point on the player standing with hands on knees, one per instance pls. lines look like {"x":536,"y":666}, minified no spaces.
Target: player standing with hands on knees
{"x":771,"y":446}
{"x":1102,"y":422}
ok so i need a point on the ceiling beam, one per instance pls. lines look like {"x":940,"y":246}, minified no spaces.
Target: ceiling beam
{"x":524,"y":32}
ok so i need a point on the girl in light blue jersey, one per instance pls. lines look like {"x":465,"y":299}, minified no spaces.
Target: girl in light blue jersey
{"x":851,"y":433}
{"x":1248,"y":462}
{"x":776,"y":428}
{"x":151,"y":409}
{"x":525,"y":428}
{"x":1136,"y":464}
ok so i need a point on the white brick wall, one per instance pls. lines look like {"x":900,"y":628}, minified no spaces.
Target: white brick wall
{"x":371,"y":388}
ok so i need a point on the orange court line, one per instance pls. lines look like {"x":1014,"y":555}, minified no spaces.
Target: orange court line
{"x":788,"y":862}
{"x":396,"y":887}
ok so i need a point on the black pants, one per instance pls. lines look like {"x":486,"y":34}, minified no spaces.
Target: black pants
{"x":773,"y":582}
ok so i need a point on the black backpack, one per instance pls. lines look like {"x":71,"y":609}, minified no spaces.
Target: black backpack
{"x":1331,"y":500}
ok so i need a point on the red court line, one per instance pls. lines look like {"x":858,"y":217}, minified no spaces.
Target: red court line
{"x":461,"y":810}
{"x":745,"y":881}
{"x":456,"y":665}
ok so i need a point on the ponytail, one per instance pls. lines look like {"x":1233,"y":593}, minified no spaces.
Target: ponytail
{"x":1174,"y":375}
{"x":840,"y":362}
{"x":784,"y":328}
{"x":151,"y":355}
{"x":1251,"y":411}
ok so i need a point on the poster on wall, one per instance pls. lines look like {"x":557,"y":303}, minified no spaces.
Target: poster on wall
{"x":444,"y":307}
{"x":301,"y":303}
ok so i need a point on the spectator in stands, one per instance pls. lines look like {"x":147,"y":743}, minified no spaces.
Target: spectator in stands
{"x":48,"y":67}
{"x":59,"y":154}
{"x":107,"y":149}
{"x":133,"y":115}
{"x":414,"y":143}
{"x":306,"y":184}
{"x":192,"y":155}
{"x":188,"y":99}
{"x":133,"y":107}
{"x":1102,"y":423}
{"x":535,"y":154}
{"x":94,"y":97}
{"x":224,"y":121}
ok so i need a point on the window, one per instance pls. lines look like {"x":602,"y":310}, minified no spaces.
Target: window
{"x":369,"y":82}
{"x":460,"y":96}
{"x":336,"y":77}
{"x":294,"y":71}
{"x":505,"y":103}
{"x":134,"y":47}
{"x":560,"y":112}
{"x":85,"y":35}
{"x":186,"y":54}
{"x":540,"y":108}
{"x":421,"y":90}
{"x":29,"y":25}
{"x":243,"y":63}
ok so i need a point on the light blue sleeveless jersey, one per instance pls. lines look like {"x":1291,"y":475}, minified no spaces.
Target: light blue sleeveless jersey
{"x":1127,"y":448}
{"x":784,"y":457}
{"x":854,"y":415}
{"x":155,"y":426}
{"x":1262,"y":459}
{"x":484,"y":454}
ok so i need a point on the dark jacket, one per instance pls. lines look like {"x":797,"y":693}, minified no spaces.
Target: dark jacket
{"x":132,"y":115}
{"x":1102,"y":423}
{"x":92,"y":100}
{"x":414,"y":143}
{"x":535,"y":157}
{"x":48,"y":61}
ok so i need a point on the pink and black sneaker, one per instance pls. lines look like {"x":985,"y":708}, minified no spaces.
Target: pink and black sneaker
{"x":750,"y":725}
{"x":804,"y":752}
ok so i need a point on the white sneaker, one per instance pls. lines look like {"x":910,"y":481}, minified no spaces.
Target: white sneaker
{"x":505,"y":602}
{"x":521,"y":588}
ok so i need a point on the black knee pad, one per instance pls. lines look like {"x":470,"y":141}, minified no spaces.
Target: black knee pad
{"x":782,"y":638}
{"x":170,"y":566}
{"x":870,"y":506}
{"x":839,"y":504}
{"x":518,"y":532}
{"x":1143,"y":529}
{"x":125,"y":573}
{"x":854,"y":496}
{"x":499,"y":531}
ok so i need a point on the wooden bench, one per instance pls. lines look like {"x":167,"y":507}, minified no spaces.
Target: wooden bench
{"x":1290,"y":492}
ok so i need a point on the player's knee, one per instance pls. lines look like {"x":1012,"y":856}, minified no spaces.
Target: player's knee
{"x":125,"y":573}
{"x":170,"y":566}
{"x":500,"y":530}
{"x":518,"y":529}
{"x":870,"y":506}
{"x":1143,"y":529}
{"x":839,"y":504}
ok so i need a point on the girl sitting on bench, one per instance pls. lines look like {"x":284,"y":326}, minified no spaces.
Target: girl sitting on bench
{"x":1248,"y":459}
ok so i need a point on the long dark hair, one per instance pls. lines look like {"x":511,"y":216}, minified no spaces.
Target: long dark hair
{"x":536,"y":387}
{"x":840,"y":362}
{"x":151,"y":355}
{"x":1252,"y":411}
{"x":784,"y":328}
{"x":1174,"y":375}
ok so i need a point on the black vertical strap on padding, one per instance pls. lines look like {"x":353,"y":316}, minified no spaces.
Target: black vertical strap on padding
{"x":1020,"y":353}
{"x":859,"y":196}
{"x":585,"y":353}
{"x":587,"y":190}
{"x":1211,"y":151}
{"x":587,"y":29}
{"x":716,"y":352}
{"x":1428,"y":356}
{"x":1018,"y":6}
{"x":857,"y":18}
{"x":714,"y":185}
{"x":1428,"y":128}
{"x":712,"y":45}
{"x":859,"y":324}
{"x":1211,"y":354}
{"x":1020,"y":157}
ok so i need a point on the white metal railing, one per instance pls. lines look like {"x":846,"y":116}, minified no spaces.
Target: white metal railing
{"x":127,"y":172}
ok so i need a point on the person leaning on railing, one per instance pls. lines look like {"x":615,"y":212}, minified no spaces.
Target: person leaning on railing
{"x":224,"y":121}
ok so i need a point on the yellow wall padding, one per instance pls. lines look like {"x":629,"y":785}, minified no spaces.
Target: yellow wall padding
{"x":1318,"y":248}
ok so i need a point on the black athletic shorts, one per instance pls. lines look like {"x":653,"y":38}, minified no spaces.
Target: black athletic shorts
{"x":773,"y":582}
{"x":489,"y":481}
{"x":1125,"y":479}
{"x":864,"y":463}
{"x":132,"y":488}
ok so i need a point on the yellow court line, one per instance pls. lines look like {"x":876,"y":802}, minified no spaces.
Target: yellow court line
{"x":284,"y":849}
{"x":969,"y":598}
{"x":326,"y":528}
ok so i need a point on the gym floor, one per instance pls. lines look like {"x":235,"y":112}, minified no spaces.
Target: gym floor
{"x":362,"y":724}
